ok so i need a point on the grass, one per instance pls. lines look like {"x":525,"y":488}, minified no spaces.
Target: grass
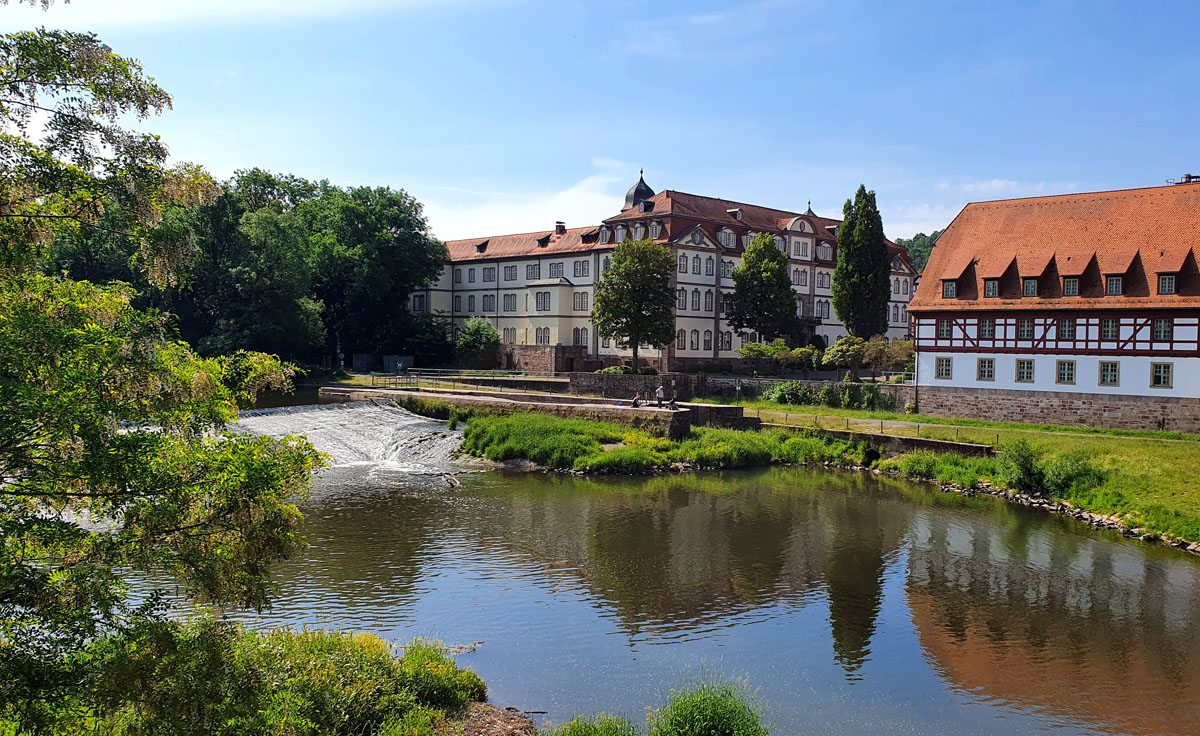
{"x":710,"y":709}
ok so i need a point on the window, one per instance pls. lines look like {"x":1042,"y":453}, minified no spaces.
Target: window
{"x":795,"y":277}
{"x":581,"y":301}
{"x":904,"y":286}
{"x":804,"y":249}
{"x":510,"y":274}
{"x":695,"y":339}
{"x":727,"y":269}
{"x":987,"y":329}
{"x":583,"y":336}
{"x":781,"y":244}
{"x":949,"y":289}
{"x":1160,"y":375}
{"x":533,"y":271}
{"x":470,"y":275}
{"x":607,"y":264}
{"x":620,"y":233}
{"x":727,"y":341}
{"x":1110,"y":373}
{"x":543,"y":301}
{"x":681,"y":299}
{"x":604,"y":233}
{"x":804,"y":277}
{"x":895,"y":313}
{"x":638,"y":232}
{"x":1166,"y":283}
{"x":458,"y":303}
{"x":744,"y":339}
{"x":471,"y":303}
{"x":682,"y":264}
{"x":577,"y":268}
{"x":1024,"y":371}
{"x":510,"y":303}
{"x":1162,"y":329}
{"x":944,"y":329}
{"x":695,"y":300}
{"x":489,"y":302}
{"x":655,"y":229}
{"x":1024,"y":329}
{"x":985,"y":369}
{"x":991,"y":289}
{"x":695,"y":264}
{"x":1030,"y":286}
{"x":726,"y":238}
{"x":1066,"y":328}
{"x":1071,"y":286}
{"x":1109,"y":329}
{"x":708,"y":339}
{"x":825,"y":252}
{"x":489,"y":274}
{"x":418,"y":303}
{"x":942,"y":369}
{"x":708,"y":266}
{"x":723,"y":302}
{"x":708,"y":301}
{"x":1112,"y":285}
{"x":1064,"y":372}
{"x":895,"y":286}
{"x":458,"y":275}
{"x":604,"y":342}
{"x":556,"y":270}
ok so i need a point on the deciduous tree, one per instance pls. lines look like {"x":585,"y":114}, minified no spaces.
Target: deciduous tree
{"x":762,"y":299}
{"x":862,"y":278}
{"x":477,"y":343}
{"x":634,"y":302}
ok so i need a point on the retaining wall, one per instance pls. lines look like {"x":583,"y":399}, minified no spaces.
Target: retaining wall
{"x":896,"y":444}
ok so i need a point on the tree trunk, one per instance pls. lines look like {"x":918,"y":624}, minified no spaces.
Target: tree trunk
{"x":635,"y":352}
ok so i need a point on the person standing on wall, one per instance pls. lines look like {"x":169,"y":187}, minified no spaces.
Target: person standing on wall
{"x":659,"y":393}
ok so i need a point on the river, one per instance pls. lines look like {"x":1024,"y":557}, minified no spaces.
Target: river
{"x":849,"y":603}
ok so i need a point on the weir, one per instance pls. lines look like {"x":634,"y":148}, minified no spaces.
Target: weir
{"x":365,"y":432}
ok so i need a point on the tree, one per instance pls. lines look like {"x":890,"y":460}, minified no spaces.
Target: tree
{"x":846,"y":353}
{"x":862,"y":278}
{"x":634,"y":302}
{"x":762,"y":299}
{"x":115,"y":449}
{"x":876,"y":354}
{"x":477,"y":343}
{"x":919,"y":246}
{"x":806,"y":358}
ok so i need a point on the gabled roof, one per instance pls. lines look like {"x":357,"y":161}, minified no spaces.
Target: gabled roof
{"x":720,"y":211}
{"x":1158,"y":225}
{"x":522,"y":244}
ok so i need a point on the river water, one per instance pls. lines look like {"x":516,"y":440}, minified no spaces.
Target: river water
{"x":849,"y":603}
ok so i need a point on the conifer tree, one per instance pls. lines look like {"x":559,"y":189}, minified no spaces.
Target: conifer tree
{"x":862,"y":279}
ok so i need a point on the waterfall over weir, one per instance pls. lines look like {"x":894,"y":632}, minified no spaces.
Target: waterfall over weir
{"x":368,"y":432}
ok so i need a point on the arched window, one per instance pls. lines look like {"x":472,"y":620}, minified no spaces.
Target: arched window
{"x":695,"y":264}
{"x":575,"y":336}
{"x":708,"y":266}
{"x":607,"y":265}
{"x":680,"y":340}
{"x":695,"y":300}
{"x":695,"y":339}
{"x":681,"y":299}
{"x":708,"y":301}
{"x":638,"y":231}
{"x":895,"y":313}
{"x":682,"y":263}
{"x":583,"y":337}
{"x":895,"y":286}
{"x":904,"y":286}
{"x":804,"y":277}
{"x":782,"y":246}
{"x":655,"y":229}
{"x":796,"y":276}
{"x":708,"y":339}
{"x":727,"y":341}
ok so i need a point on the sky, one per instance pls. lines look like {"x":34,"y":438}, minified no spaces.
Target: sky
{"x":506,"y":115}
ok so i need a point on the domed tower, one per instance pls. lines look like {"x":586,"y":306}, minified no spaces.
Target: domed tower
{"x":637,"y":192}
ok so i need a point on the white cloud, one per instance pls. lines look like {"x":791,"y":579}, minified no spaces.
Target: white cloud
{"x":456,"y":213}
{"x":89,"y":14}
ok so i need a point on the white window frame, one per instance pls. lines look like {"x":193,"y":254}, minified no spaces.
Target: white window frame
{"x":1168,"y":280}
{"x":1071,"y":286}
{"x":1114,"y":285}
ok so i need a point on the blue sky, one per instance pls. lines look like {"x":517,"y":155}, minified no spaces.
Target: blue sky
{"x":505,"y":115}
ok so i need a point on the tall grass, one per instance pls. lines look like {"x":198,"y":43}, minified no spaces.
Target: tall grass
{"x":710,"y":709}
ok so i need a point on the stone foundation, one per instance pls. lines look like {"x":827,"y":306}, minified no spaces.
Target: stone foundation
{"x":1061,"y":407}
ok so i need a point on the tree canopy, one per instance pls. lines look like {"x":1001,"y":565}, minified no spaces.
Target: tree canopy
{"x":920,"y":246}
{"x":634,"y":303}
{"x":477,"y":343}
{"x":862,"y":278}
{"x":762,"y":300}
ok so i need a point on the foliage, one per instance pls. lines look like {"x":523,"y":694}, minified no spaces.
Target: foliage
{"x":920,"y":246}
{"x":847,"y":396}
{"x":477,"y":343}
{"x":602,"y":725}
{"x":862,"y":278}
{"x":634,"y":301}
{"x":616,"y":370}
{"x":846,"y":353}
{"x":950,"y":467}
{"x":67,"y":160}
{"x":211,"y":677}
{"x":647,"y":370}
{"x":621,"y":460}
{"x":762,"y":299}
{"x":544,"y":439}
{"x":709,"y":709}
{"x":1071,"y":471}
{"x":1020,"y":467}
{"x":712,"y":366}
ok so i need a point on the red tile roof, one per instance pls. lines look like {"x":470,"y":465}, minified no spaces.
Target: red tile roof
{"x":523,"y":244}
{"x":1135,"y":232}
{"x":712,"y":209}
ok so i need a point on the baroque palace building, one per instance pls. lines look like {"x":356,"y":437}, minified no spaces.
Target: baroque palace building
{"x":537,"y":288}
{"x":1078,"y":307}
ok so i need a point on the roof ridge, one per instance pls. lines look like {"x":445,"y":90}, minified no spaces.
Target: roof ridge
{"x":516,"y":235}
{"x":740,"y":204}
{"x":1158,"y":188}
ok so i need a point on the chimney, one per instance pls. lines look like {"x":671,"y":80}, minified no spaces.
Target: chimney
{"x":1189,"y":178}
{"x":560,"y":228}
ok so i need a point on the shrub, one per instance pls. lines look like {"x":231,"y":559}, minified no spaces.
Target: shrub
{"x":910,"y":408}
{"x":1071,"y":470}
{"x":602,"y":725}
{"x":616,"y":370}
{"x":647,"y":370}
{"x":1019,"y":466}
{"x":710,"y":710}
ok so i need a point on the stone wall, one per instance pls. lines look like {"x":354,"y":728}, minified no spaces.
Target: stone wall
{"x":691,"y":385}
{"x":544,"y":358}
{"x":1058,"y":407}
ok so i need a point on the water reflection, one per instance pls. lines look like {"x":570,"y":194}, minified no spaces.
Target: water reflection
{"x":848,"y":599}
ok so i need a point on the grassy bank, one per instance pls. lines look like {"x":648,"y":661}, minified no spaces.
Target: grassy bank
{"x":1145,"y":481}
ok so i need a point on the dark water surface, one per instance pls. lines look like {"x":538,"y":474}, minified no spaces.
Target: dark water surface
{"x":852,"y":604}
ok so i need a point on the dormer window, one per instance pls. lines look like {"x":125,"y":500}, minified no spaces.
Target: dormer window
{"x":949,"y":289}
{"x":991,"y":288}
{"x":645,"y":206}
{"x":782,"y":246}
{"x":655,"y":229}
{"x":726,"y":238}
{"x":736,"y":212}
{"x":639,"y":231}
{"x":1166,"y":283}
{"x":481,"y":247}
{"x":604,"y":233}
{"x":620,"y":233}
{"x":1071,"y":286}
{"x":1113,"y":285}
{"x":1029,"y":287}
{"x":746,"y":238}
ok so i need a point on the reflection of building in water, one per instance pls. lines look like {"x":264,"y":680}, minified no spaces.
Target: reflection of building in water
{"x":1082,"y":628}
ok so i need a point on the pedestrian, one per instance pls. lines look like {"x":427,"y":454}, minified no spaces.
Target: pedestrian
{"x":660,"y":393}
{"x":637,"y":400}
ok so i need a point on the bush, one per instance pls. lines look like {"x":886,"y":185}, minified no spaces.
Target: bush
{"x":950,"y":467}
{"x":616,"y":370}
{"x":601,"y":725}
{"x":1071,"y":470}
{"x":647,"y":370}
{"x":707,"y":710}
{"x":1019,"y":466}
